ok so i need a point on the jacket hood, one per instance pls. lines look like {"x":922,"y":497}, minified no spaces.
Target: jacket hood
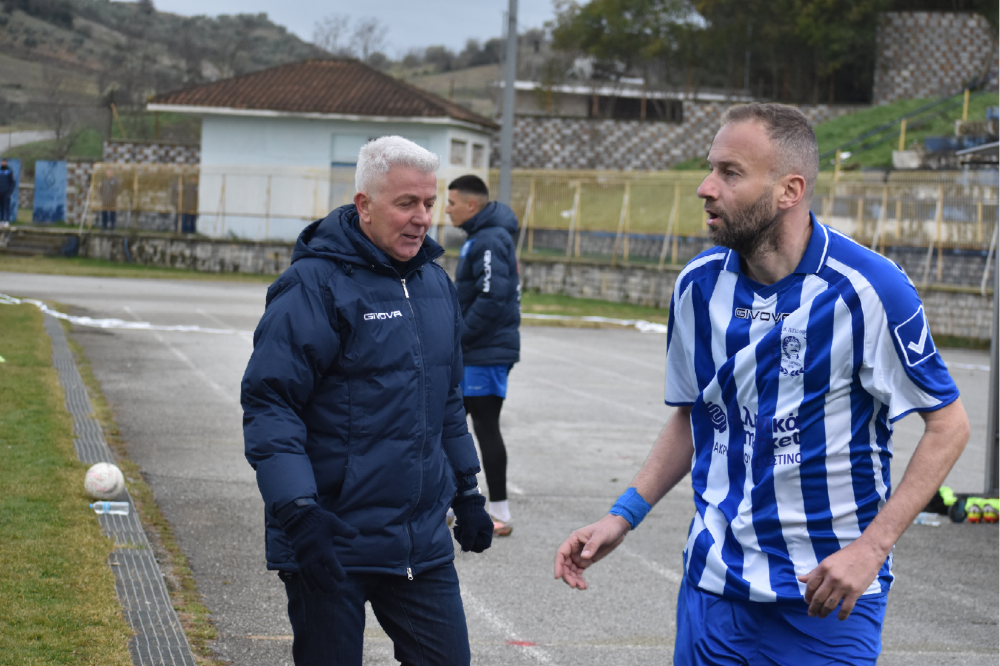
{"x":493,"y":214}
{"x":338,"y":237}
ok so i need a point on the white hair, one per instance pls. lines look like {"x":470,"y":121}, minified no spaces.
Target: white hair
{"x":378,"y":156}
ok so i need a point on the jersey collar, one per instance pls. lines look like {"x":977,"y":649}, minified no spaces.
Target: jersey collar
{"x":813,"y":259}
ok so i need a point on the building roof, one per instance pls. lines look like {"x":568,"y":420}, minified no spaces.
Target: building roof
{"x":319,"y":88}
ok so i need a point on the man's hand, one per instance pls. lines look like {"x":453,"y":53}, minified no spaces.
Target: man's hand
{"x":842,"y":577}
{"x":845,"y":575}
{"x":588,"y":545}
{"x":473,"y":525}
{"x":311,"y":530}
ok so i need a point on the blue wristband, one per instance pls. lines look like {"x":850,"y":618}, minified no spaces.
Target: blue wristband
{"x":631,"y":506}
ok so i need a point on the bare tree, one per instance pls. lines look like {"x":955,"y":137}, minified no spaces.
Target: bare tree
{"x":58,"y":111}
{"x":368,"y":38}
{"x":331,"y":33}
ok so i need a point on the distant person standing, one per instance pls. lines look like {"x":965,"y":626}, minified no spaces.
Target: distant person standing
{"x":7,"y":185}
{"x":109,"y":200}
{"x":189,"y":208}
{"x":185,"y":193}
{"x":489,"y":294}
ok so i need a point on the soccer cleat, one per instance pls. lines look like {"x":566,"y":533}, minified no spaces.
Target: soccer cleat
{"x":501,"y":528}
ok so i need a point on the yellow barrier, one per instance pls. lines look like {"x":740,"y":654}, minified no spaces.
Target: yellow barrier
{"x":149,"y":188}
{"x":920,"y":208}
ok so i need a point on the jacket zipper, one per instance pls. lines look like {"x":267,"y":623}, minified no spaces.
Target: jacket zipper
{"x":420,"y":489}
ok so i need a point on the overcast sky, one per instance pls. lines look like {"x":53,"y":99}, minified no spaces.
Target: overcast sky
{"x":410,"y":23}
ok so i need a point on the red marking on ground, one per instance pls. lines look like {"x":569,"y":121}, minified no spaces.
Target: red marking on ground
{"x":521,"y":643}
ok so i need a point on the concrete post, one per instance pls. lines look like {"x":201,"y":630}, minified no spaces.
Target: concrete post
{"x":992,"y":427}
{"x":507,"y":119}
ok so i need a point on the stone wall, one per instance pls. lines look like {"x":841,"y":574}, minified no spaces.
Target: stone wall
{"x":25,"y":195}
{"x":150,"y":152}
{"x":626,"y":145}
{"x":953,"y":310}
{"x":641,"y":285}
{"x":77,"y":189}
{"x":600,"y":245}
{"x":931,"y":54}
{"x":198,"y":254}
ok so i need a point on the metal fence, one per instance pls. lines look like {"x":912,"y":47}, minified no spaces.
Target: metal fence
{"x":562,"y":212}
{"x":138,"y":192}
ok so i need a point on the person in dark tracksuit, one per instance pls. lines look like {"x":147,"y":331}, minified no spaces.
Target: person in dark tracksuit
{"x":489,"y":292}
{"x":7,"y":185}
{"x":354,"y":423}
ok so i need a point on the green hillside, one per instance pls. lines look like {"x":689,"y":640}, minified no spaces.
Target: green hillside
{"x":839,"y":131}
{"x":942,"y":123}
{"x":63,"y":61}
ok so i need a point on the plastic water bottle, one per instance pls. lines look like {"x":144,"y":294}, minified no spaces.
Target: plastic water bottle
{"x":925,"y":518}
{"x":117,"y":508}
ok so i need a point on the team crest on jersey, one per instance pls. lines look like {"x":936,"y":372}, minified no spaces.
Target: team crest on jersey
{"x":793,"y":351}
{"x":718,"y":416}
{"x":915,"y":339}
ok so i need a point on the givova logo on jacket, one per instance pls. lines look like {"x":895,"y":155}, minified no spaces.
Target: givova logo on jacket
{"x":370,"y":316}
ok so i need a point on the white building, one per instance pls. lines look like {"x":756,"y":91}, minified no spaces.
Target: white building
{"x":279,"y":146}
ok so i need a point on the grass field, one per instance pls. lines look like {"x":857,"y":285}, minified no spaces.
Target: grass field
{"x":57,"y":593}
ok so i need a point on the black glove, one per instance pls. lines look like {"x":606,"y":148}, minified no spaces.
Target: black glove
{"x":473,"y":526}
{"x":312,"y":529}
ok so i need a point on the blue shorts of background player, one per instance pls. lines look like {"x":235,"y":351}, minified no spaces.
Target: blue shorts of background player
{"x":713,"y":631}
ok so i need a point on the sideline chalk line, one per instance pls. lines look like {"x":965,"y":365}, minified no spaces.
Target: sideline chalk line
{"x":118,"y":323}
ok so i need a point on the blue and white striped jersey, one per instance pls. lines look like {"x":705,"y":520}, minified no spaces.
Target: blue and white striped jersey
{"x":793,"y":389}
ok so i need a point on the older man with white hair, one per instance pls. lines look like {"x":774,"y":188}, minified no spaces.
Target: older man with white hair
{"x":353,"y":421}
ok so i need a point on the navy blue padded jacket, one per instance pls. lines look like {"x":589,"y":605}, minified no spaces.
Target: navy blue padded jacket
{"x":489,"y":288}
{"x":352,"y":397}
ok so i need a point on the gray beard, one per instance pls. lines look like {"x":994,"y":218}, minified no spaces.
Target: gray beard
{"x":751,"y":230}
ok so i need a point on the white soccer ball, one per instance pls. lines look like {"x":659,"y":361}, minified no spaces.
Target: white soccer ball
{"x":104,"y":481}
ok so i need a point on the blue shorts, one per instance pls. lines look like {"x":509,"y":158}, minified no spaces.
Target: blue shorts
{"x":485,"y":380}
{"x":722,"y":632}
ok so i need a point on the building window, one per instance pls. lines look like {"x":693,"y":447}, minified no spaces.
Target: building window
{"x":478,"y":156}
{"x":458,"y":152}
{"x":632,"y":108}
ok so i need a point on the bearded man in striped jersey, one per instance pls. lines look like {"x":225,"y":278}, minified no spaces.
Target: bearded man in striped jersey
{"x":791,"y":351}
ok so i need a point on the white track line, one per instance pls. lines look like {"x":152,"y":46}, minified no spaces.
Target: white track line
{"x":671,"y":576}
{"x":640,"y":324}
{"x":968,"y":366}
{"x":246,"y":335}
{"x":660,"y":418}
{"x":631,"y":379}
{"x":218,"y":390}
{"x":503,"y":627}
{"x":118,"y":323}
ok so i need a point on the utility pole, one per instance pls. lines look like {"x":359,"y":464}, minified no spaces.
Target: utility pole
{"x":746,"y":60}
{"x":992,"y":467}
{"x":507,"y":117}
{"x":992,"y":429}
